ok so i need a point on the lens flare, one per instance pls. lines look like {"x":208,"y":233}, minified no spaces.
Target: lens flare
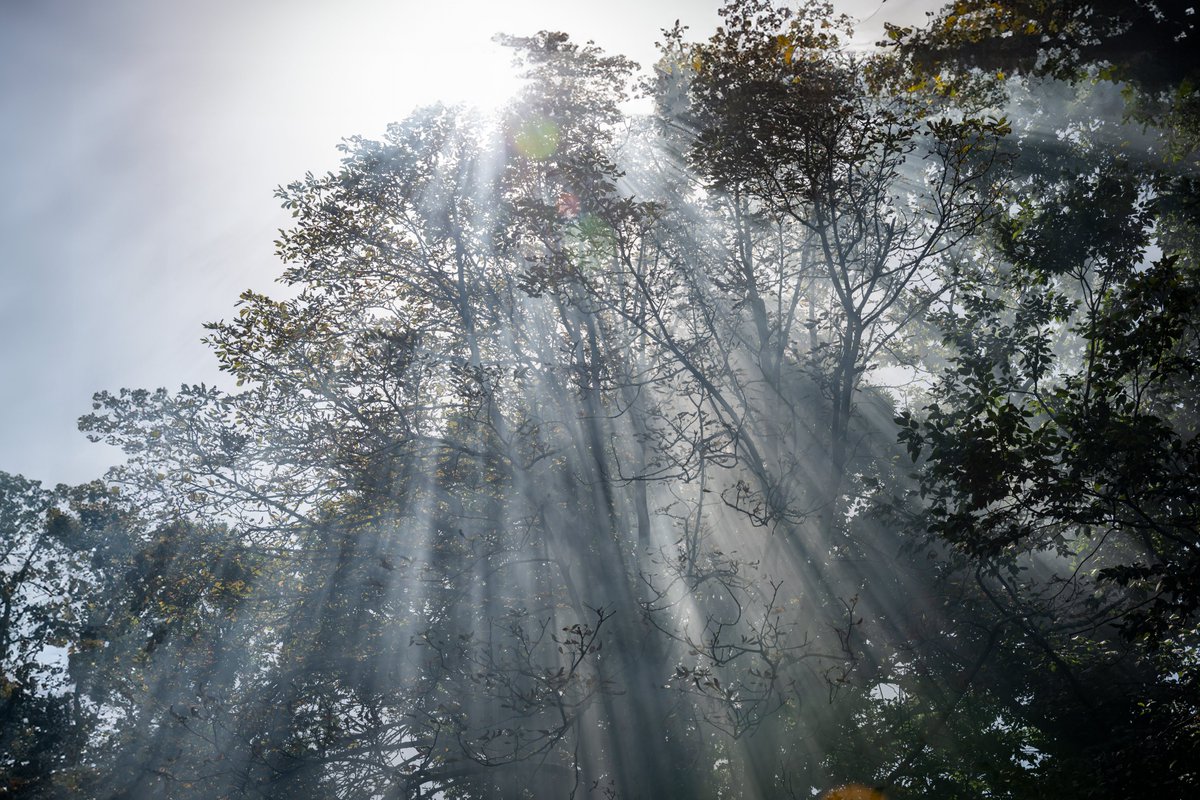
{"x":537,"y":138}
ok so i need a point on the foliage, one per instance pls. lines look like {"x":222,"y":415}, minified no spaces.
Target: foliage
{"x":568,"y":464}
{"x":1058,"y":454}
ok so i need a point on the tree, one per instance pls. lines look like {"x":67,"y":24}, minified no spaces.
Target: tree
{"x":41,"y":579}
{"x":1058,"y":449}
{"x":791,"y":139}
{"x":567,"y":466}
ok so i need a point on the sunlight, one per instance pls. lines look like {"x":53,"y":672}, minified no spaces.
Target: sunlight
{"x":329,"y":73}
{"x":382,"y":81}
{"x":483,"y":77}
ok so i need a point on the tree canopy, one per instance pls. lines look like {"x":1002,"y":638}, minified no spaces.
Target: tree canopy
{"x":829,"y":430}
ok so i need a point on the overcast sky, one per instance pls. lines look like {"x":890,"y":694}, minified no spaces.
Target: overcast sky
{"x":141,"y":141}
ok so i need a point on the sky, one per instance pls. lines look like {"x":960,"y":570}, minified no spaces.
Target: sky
{"x":141,"y":142}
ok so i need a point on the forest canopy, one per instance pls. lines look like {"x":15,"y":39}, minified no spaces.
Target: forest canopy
{"x":827,"y":430}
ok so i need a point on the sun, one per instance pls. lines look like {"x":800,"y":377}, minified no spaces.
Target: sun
{"x":483,"y":78}
{"x":360,"y":66}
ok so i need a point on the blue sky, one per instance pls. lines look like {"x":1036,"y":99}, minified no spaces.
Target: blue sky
{"x":140,"y":144}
